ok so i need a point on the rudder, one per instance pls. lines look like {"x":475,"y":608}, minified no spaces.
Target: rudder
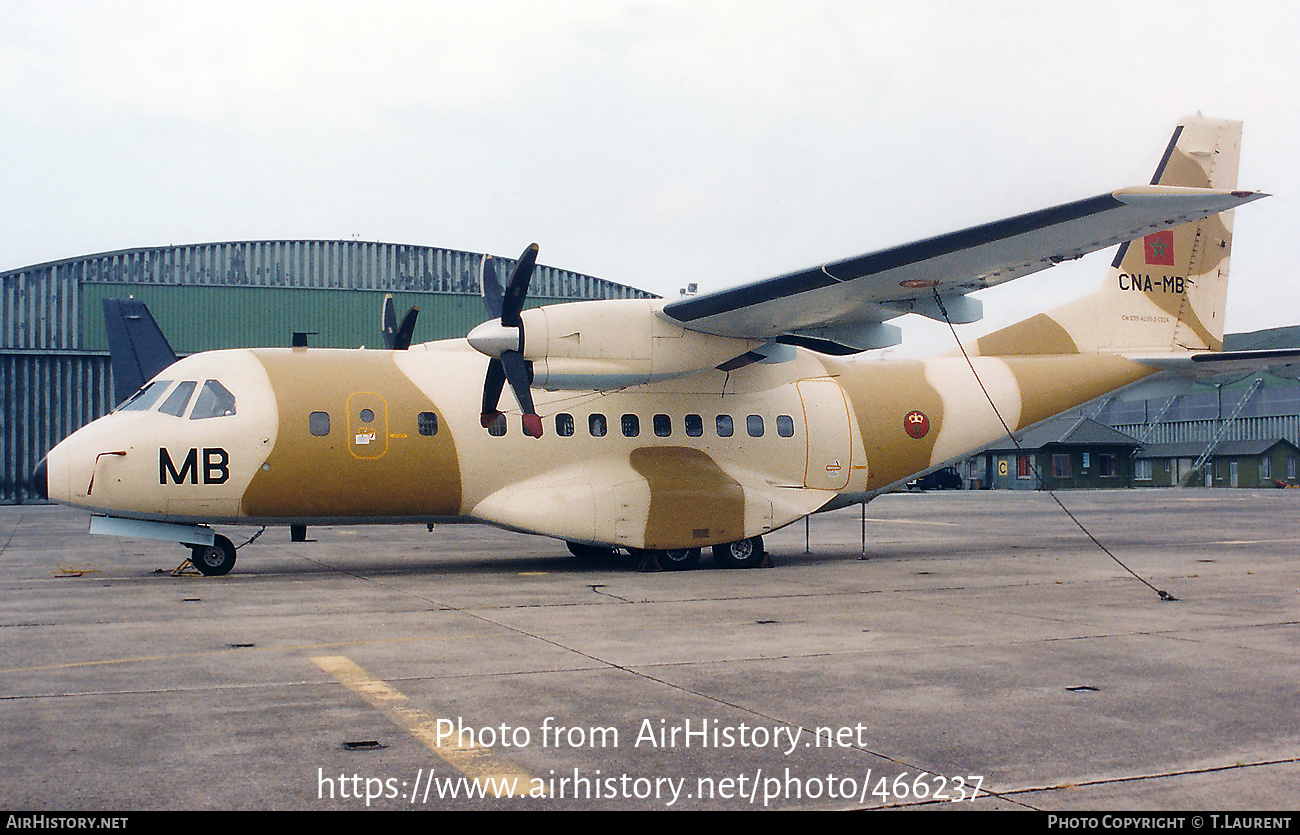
{"x":1167,"y":292}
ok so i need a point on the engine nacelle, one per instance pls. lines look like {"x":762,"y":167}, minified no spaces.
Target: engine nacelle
{"x":613,"y":344}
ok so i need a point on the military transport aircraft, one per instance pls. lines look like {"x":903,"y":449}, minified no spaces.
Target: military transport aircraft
{"x":668,"y":426}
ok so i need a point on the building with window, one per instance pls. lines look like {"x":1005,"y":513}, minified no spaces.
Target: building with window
{"x":1267,"y":462}
{"x":1062,"y":453}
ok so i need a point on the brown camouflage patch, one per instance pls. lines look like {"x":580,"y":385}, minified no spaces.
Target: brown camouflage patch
{"x":691,"y":498}
{"x":312,"y":476}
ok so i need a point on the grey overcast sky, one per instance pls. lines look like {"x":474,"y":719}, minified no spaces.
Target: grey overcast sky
{"x":650,"y":143}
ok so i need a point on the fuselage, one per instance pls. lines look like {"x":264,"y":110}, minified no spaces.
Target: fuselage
{"x":321,"y":436}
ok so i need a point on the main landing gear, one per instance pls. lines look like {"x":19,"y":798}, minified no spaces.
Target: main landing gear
{"x":675,"y":559}
{"x":747,"y":553}
{"x":216,"y":559}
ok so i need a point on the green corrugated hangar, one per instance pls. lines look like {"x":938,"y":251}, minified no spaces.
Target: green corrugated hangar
{"x":54,"y":368}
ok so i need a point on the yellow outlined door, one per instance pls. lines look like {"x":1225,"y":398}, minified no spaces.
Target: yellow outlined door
{"x":826,"y":430}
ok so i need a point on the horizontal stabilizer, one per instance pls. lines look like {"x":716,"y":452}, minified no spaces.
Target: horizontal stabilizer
{"x":1225,"y":366}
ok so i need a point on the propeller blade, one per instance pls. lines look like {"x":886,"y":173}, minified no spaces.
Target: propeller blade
{"x":402,"y":339}
{"x":516,"y":368}
{"x":516,"y":292}
{"x":506,"y":363}
{"x":491,"y":287}
{"x":496,"y":379}
{"x":388,"y":321}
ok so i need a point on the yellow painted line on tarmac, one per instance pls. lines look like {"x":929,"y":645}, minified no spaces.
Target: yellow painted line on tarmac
{"x":471,"y":760}
{"x":916,"y":522}
{"x":139,"y":659}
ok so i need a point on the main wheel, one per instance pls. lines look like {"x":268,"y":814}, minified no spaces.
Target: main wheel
{"x":678,"y":559}
{"x":747,"y":553}
{"x":591,"y":553}
{"x":216,"y":559}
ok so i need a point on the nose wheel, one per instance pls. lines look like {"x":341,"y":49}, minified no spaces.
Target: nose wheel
{"x":216,"y":559}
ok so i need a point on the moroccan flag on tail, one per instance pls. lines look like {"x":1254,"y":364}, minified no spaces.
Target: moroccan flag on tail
{"x":1159,"y":247}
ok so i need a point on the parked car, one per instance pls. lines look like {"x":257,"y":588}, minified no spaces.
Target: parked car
{"x":944,"y":478}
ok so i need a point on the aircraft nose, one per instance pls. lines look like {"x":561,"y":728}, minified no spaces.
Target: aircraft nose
{"x":39,"y":483}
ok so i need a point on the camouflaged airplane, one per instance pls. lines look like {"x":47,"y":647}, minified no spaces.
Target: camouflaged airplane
{"x":663,"y":427}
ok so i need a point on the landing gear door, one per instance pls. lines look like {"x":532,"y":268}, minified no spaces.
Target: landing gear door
{"x":826,"y":432}
{"x":367,"y":425}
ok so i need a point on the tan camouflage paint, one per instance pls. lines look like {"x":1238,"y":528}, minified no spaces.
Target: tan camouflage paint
{"x":1026,"y":391}
{"x":1146,"y":309}
{"x":308,"y":477}
{"x":881,"y":396}
{"x":668,"y":493}
{"x":693,"y":502}
{"x":122,"y":451}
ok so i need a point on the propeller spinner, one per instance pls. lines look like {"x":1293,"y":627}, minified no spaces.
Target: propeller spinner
{"x":503,"y":341}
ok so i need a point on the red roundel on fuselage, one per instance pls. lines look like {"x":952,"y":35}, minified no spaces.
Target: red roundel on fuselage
{"x":916,"y":424}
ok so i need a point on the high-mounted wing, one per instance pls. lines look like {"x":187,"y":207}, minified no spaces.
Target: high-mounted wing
{"x":840,"y":307}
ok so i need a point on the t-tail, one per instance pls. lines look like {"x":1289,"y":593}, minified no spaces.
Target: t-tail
{"x":1164,"y":293}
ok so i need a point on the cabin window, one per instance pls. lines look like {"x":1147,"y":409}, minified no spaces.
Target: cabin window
{"x":318,"y":423}
{"x":176,"y":401}
{"x":498,"y":427}
{"x":663,"y":426}
{"x":785,"y":426}
{"x":631,"y":426}
{"x":214,"y":400}
{"x":367,"y":416}
{"x":426,"y":423}
{"x":597,"y":426}
{"x":754,"y":426}
{"x":725,"y":429}
{"x":145,"y":397}
{"x":564,"y":425}
{"x":694,"y":426}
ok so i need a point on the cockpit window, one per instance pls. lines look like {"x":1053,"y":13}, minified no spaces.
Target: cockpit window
{"x":214,"y":400}
{"x":145,"y":397}
{"x":175,"y":402}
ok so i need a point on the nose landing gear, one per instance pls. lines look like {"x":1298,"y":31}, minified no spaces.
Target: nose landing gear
{"x":216,"y":559}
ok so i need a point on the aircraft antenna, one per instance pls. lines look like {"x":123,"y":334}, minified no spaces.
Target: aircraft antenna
{"x":1042,"y":484}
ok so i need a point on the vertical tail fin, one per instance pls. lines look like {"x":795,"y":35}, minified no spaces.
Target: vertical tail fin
{"x":136,"y":345}
{"x":1166,"y":292}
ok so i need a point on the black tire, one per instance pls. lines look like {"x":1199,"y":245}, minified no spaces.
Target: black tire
{"x":591,"y":553}
{"x":747,"y":553}
{"x":678,"y":559}
{"x":213,"y":560}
